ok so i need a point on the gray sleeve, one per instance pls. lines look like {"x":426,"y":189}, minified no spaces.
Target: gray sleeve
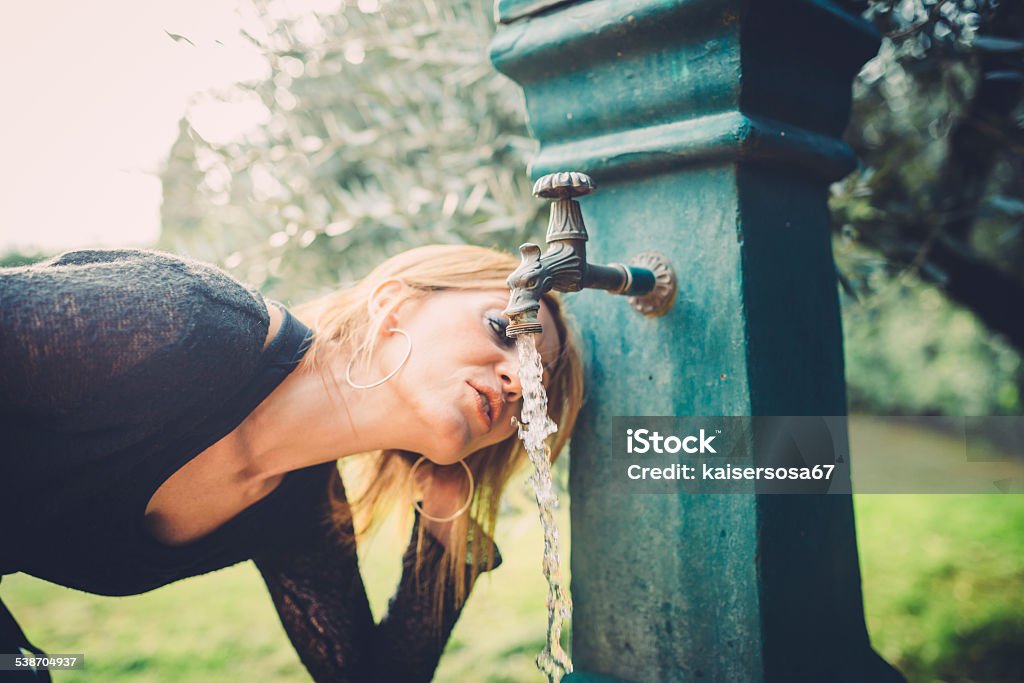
{"x":91,"y":337}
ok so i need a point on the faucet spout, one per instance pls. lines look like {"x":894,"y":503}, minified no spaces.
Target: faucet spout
{"x":560,"y":269}
{"x":650,"y":284}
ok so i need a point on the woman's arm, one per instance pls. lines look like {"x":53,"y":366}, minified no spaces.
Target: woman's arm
{"x":319,"y":595}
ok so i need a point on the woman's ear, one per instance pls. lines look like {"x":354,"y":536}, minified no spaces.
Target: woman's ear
{"x":384,"y":300}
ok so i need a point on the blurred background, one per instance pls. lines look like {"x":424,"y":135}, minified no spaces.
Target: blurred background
{"x":296,"y":144}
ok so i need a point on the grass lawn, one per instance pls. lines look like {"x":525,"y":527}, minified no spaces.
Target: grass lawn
{"x":943,"y":583}
{"x":943,"y":590}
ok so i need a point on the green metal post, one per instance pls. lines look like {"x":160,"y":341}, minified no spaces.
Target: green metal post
{"x":712,"y":129}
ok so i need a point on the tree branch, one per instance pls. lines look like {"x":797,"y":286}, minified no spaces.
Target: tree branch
{"x":976,"y":143}
{"x":973,"y":148}
{"x":992,"y":295}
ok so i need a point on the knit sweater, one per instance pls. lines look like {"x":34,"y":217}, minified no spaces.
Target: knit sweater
{"x":117,"y":367}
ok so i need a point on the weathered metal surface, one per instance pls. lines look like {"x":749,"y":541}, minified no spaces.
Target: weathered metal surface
{"x":712,"y":128}
{"x":664,"y":588}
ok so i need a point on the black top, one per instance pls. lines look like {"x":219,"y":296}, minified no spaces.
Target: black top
{"x":120,"y":367}
{"x":116,"y":368}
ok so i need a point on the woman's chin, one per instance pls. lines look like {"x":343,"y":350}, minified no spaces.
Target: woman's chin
{"x":444,"y":458}
{"x":446,"y":451}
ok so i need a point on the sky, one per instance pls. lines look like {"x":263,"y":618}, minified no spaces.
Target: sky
{"x":93,"y":95}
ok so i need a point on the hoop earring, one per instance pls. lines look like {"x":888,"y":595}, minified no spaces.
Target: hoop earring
{"x":465,"y":506}
{"x":408,"y":352}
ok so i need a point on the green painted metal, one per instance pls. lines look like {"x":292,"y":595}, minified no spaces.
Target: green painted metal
{"x":712,"y":129}
{"x":580,"y":677}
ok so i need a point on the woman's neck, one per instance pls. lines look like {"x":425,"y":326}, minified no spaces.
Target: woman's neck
{"x":309,"y":419}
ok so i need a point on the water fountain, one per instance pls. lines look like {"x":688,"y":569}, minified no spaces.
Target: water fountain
{"x":714,"y":128}
{"x":650,"y":287}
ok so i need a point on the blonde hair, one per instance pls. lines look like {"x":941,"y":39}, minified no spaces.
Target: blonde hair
{"x":341,"y":321}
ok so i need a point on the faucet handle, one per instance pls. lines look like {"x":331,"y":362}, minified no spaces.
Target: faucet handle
{"x":564,"y":185}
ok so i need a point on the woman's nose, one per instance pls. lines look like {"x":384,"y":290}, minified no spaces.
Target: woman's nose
{"x":508,"y":377}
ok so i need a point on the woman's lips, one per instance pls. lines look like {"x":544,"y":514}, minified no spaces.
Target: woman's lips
{"x":484,"y":406}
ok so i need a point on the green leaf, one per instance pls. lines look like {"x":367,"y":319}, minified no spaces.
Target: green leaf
{"x":178,"y":38}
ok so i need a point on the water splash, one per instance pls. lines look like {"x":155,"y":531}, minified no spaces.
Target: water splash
{"x":534,"y":429}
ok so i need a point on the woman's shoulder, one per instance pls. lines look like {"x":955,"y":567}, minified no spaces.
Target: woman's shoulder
{"x":97,"y":324}
{"x":154,"y":269}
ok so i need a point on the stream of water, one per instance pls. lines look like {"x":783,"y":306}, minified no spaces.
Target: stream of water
{"x":534,"y":429}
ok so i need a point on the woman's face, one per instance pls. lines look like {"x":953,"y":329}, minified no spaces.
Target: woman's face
{"x":461,"y":382}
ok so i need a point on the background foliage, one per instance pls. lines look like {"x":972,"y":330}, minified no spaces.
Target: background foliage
{"x":929,"y":236}
{"x":387,"y":129}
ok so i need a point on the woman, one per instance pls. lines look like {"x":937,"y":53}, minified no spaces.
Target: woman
{"x":164,"y":421}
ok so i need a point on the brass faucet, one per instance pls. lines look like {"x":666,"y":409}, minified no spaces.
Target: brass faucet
{"x":649,"y":281}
